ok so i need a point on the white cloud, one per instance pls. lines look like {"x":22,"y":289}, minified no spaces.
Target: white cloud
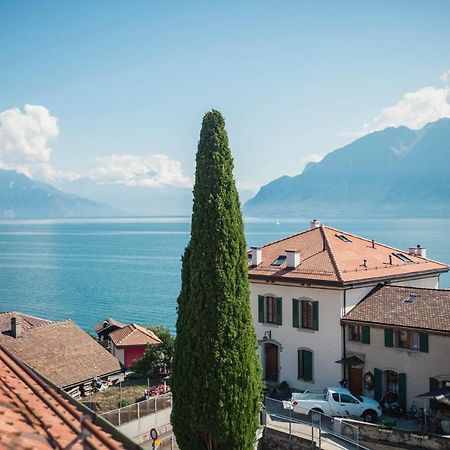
{"x":445,"y":77}
{"x":24,"y":142}
{"x":145,"y":171}
{"x":414,"y":110}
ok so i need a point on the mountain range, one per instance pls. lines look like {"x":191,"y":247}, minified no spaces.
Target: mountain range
{"x":24,"y":198}
{"x":396,"y":172}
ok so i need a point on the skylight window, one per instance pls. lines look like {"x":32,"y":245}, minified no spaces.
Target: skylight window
{"x":410,"y":299}
{"x":280,"y":260}
{"x":403,"y":258}
{"x":343,"y":238}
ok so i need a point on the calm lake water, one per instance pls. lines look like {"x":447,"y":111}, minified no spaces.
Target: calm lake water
{"x":87,"y":270}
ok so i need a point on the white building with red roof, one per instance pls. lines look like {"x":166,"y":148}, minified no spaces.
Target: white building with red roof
{"x":302,"y":286}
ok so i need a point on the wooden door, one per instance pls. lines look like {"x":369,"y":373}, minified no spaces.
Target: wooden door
{"x":355,"y":385}
{"x":271,"y":351}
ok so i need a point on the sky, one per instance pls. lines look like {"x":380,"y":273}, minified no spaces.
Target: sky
{"x":114,"y":92}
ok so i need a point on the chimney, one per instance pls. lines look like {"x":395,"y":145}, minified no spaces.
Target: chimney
{"x":292,"y":259}
{"x":314,"y":224}
{"x":256,"y":256}
{"x":418,"y":251}
{"x":16,"y":327}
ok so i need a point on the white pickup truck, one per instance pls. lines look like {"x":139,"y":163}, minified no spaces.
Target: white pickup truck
{"x":337,"y":402}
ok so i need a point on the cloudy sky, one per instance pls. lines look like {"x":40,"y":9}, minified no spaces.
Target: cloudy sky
{"x":114,"y":92}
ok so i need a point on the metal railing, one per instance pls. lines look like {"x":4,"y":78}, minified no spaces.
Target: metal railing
{"x":316,"y":427}
{"x":137,"y":410}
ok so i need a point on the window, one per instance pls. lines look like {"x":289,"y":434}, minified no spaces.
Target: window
{"x":307,"y":317}
{"x":411,"y":298}
{"x":280,"y":260}
{"x":359,"y":333}
{"x":343,"y":238}
{"x":355,"y":333}
{"x":269,"y":309}
{"x":407,"y":339}
{"x":346,"y":398}
{"x":305,"y":314}
{"x":305,"y":365}
{"x":403,"y":258}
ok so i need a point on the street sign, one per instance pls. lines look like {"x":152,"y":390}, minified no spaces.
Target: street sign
{"x":153,"y":434}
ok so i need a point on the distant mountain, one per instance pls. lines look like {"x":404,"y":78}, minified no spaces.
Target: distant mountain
{"x":396,"y":172}
{"x":24,"y":198}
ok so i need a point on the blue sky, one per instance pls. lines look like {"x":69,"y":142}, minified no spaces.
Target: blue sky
{"x":294,"y":79}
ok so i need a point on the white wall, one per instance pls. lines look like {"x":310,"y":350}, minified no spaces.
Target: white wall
{"x":418,"y":366}
{"x":326,"y":343}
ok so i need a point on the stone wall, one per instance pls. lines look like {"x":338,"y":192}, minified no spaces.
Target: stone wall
{"x":278,"y":440}
{"x":398,"y":438}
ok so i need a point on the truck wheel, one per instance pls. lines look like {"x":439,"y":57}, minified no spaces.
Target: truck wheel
{"x":370,"y":416}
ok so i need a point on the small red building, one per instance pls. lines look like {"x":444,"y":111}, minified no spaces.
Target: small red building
{"x":129,"y":343}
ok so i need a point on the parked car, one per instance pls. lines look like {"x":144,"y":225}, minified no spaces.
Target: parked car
{"x":336,"y":402}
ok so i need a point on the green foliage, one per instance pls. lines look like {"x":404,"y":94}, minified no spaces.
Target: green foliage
{"x":216,"y":376}
{"x":156,"y":357}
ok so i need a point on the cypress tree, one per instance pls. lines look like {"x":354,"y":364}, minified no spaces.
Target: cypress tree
{"x":216,"y":376}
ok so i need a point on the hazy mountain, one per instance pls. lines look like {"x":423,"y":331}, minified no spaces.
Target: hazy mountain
{"x":24,"y":198}
{"x":394,"y":172}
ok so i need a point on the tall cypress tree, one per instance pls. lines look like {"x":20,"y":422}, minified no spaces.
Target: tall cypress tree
{"x":216,"y":376}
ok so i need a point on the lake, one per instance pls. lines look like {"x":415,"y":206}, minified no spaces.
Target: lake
{"x":129,"y":269}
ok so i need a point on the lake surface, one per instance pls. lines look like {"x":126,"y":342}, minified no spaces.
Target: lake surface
{"x":129,"y":269}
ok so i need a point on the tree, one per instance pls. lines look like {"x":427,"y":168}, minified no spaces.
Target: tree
{"x":216,"y":374}
{"x":156,"y":357}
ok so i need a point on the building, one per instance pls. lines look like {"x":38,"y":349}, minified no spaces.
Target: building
{"x":129,"y":343}
{"x":61,"y":351}
{"x":397,"y":343}
{"x":301,"y":287}
{"x":106,"y":327}
{"x":36,"y":415}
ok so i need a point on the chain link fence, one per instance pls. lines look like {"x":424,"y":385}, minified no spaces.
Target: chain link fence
{"x":132,"y":412}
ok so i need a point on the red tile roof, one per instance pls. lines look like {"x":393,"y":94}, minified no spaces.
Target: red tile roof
{"x":34,"y":416}
{"x":326,"y":258}
{"x":61,"y":351}
{"x":385,"y":305}
{"x":133,"y":334}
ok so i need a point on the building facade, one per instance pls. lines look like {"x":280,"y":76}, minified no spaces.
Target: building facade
{"x":398,"y":343}
{"x":302,"y":286}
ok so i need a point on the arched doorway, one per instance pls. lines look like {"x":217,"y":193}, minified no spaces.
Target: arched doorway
{"x":271,"y":365}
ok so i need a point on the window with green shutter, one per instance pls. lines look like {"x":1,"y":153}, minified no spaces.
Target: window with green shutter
{"x":295,"y":313}
{"x":423,"y":342}
{"x":365,"y":334}
{"x":305,"y":365}
{"x":402,"y":390}
{"x":315,"y":314}
{"x":279,"y":312}
{"x":388,"y":337}
{"x":261,"y":308}
{"x":378,"y":384}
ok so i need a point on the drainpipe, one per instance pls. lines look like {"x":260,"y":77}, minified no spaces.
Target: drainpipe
{"x":343,"y":334}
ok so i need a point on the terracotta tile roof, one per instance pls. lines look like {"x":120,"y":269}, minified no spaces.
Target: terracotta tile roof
{"x":133,"y":334}
{"x":326,"y":258}
{"x":27,"y":321}
{"x":34,"y":416}
{"x":428,"y":308}
{"x":62,"y":352}
{"x":110,"y":323}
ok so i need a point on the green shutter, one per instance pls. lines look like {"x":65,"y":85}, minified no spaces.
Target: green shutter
{"x":307,"y":365}
{"x":279,"y":312}
{"x":434,"y":386}
{"x":295,"y":313}
{"x":388,"y":337}
{"x":261,"y":308}
{"x":299,"y":364}
{"x":402,"y":390}
{"x":378,"y":384}
{"x":315,"y":314}
{"x":365,"y":334}
{"x":423,"y":342}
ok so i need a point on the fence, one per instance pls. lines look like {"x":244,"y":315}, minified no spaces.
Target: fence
{"x":137,"y":410}
{"x":316,"y":427}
